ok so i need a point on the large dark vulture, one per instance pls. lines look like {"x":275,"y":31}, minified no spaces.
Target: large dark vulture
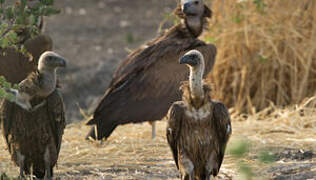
{"x":33,"y":135}
{"x":198,"y":128}
{"x":147,"y":82}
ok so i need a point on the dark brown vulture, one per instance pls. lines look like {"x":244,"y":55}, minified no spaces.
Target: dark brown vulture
{"x":146,"y":83}
{"x":33,"y":136}
{"x":198,"y":128}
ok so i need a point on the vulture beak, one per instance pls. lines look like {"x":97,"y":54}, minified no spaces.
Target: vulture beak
{"x":187,"y":59}
{"x":186,"y":8}
{"x":61,"y":62}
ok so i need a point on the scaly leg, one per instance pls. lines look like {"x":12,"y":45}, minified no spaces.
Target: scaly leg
{"x":153,"y":129}
{"x":211,"y":165}
{"x":21,"y":161}
{"x":186,"y":167}
{"x":48,"y":171}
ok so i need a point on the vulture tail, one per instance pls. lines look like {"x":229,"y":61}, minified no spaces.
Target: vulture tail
{"x":39,"y":173}
{"x":100,"y":131}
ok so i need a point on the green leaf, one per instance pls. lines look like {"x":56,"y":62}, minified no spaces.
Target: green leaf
{"x":2,"y":80}
{"x":32,"y":19}
{"x":10,"y":97}
{"x":6,"y":85}
{"x":12,"y":37}
{"x":2,"y":93}
{"x":4,"y":43}
{"x":9,"y":12}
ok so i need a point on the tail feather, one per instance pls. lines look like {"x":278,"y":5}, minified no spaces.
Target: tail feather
{"x":100,"y":130}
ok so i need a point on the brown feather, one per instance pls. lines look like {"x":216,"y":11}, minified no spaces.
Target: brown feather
{"x":197,"y":139}
{"x":15,"y":66}
{"x":30,"y":133}
{"x":147,"y":82}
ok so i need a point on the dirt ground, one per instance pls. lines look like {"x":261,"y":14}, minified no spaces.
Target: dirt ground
{"x":95,"y":36}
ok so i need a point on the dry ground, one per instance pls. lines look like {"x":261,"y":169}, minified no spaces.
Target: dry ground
{"x":95,"y":35}
{"x":130,"y":153}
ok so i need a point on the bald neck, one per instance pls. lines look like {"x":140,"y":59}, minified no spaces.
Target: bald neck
{"x":196,"y":77}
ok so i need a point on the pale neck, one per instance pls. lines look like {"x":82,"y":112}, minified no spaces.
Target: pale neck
{"x":196,"y":86}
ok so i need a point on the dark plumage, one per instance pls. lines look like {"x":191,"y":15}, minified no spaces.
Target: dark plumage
{"x":15,"y":66}
{"x":146,"y":83}
{"x":34,"y":137}
{"x":198,"y":128}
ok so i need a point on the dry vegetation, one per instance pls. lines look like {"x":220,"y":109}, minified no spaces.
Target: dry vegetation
{"x":266,"y":52}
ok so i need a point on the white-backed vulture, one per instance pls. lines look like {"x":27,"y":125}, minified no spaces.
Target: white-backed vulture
{"x":146,"y":83}
{"x":198,"y":128}
{"x":34,"y":137}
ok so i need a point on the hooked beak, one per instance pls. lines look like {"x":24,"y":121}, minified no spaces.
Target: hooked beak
{"x":62,"y":62}
{"x":188,"y":60}
{"x":186,"y":9}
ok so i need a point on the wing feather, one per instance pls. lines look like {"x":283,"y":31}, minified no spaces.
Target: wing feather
{"x":56,"y":111}
{"x":174,"y":118}
{"x":224,"y":130}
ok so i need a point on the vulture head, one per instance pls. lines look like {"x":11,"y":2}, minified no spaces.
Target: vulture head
{"x":194,"y":59}
{"x":50,"y":61}
{"x":193,"y":8}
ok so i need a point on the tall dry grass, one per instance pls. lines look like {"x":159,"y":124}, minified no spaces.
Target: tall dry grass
{"x":266,"y":52}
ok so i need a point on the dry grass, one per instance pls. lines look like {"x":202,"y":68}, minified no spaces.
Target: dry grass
{"x":131,"y":154}
{"x":265,"y":54}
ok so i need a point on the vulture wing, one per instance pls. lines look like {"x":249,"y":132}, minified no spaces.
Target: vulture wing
{"x":15,"y":66}
{"x":224,"y":130}
{"x":56,"y":110}
{"x":174,"y":118}
{"x":146,"y":84}
{"x":50,"y":117}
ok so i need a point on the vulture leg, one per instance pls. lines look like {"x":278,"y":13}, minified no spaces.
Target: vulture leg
{"x":186,"y":168}
{"x":21,"y":161}
{"x":153,"y":129}
{"x":211,"y":165}
{"x":48,"y":169}
{"x":38,"y":106}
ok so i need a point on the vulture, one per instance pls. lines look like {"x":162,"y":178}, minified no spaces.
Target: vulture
{"x":146,"y":83}
{"x":33,"y":135}
{"x":198,"y":128}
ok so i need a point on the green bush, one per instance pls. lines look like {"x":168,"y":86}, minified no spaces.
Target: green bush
{"x":19,"y":21}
